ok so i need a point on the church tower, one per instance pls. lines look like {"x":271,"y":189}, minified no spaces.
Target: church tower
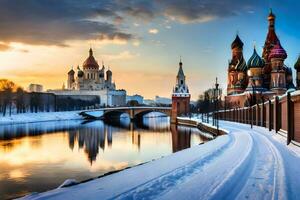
{"x":180,"y":97}
{"x":270,"y":42}
{"x":237,"y":69}
{"x":278,"y":74}
{"x":71,"y":79}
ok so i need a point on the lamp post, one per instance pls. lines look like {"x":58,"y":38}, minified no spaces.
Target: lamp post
{"x":215,"y":101}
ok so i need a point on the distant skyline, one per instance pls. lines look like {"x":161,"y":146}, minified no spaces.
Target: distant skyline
{"x":141,"y":41}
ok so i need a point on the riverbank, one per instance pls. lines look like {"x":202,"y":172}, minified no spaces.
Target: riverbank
{"x":245,"y":163}
{"x":39,"y":117}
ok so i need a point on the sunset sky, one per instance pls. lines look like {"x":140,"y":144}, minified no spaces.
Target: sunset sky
{"x":141,"y":41}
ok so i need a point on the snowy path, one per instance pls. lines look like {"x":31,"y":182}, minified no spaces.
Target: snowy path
{"x":245,"y":164}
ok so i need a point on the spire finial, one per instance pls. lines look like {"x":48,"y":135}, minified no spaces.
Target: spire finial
{"x":254,"y":45}
{"x":180,"y":62}
{"x":237,"y":32}
{"x":102,"y":63}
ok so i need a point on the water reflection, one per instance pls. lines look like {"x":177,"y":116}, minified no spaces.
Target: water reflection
{"x":32,"y":153}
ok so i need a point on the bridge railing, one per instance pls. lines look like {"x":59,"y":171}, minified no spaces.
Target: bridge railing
{"x":128,"y":108}
{"x":281,"y":114}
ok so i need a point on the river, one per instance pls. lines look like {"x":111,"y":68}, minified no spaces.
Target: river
{"x":36,"y":157}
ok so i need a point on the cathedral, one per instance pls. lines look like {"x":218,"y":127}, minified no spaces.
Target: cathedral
{"x":265,"y":76}
{"x":90,"y":77}
{"x":90,"y":81}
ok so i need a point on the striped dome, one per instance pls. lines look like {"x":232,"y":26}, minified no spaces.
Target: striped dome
{"x":277,"y":52}
{"x":255,"y":60}
{"x":241,"y":65}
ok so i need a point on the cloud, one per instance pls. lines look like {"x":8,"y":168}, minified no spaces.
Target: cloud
{"x":153,"y":31}
{"x":136,"y":43}
{"x":125,"y":55}
{"x":47,"y":22}
{"x":4,"y":47}
{"x":199,"y":11}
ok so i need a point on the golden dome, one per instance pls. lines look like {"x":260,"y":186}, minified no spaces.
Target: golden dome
{"x":90,"y":62}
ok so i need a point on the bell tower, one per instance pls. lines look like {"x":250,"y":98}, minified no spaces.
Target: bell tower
{"x":180,"y":96}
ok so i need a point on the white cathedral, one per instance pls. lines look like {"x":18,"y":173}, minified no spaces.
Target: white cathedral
{"x":91,"y":80}
{"x":91,"y":77}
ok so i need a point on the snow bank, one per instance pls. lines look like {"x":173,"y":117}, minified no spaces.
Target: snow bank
{"x":39,"y":117}
{"x":244,"y":164}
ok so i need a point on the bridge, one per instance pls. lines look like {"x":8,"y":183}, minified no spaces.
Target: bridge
{"x":134,"y":113}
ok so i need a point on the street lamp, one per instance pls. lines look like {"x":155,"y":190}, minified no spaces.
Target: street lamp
{"x":215,"y":103}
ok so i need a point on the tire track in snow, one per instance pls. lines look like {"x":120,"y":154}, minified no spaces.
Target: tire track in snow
{"x":266,"y":180}
{"x":164,"y":183}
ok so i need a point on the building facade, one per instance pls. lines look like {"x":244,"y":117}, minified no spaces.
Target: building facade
{"x":91,"y":80}
{"x":90,"y":77}
{"x":137,"y":98}
{"x":180,"y":96}
{"x":262,"y":77}
{"x":35,"y":88}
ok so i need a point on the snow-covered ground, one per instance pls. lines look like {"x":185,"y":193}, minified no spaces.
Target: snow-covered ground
{"x":39,"y":117}
{"x":244,"y":164}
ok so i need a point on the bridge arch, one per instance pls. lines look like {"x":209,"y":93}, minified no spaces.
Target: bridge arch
{"x":133,"y":112}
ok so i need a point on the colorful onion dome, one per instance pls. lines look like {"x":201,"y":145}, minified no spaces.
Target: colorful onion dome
{"x":90,"y":62}
{"x":255,"y":61}
{"x":241,"y":65}
{"x":277,"y":52}
{"x":297,"y":64}
{"x":237,"y":42}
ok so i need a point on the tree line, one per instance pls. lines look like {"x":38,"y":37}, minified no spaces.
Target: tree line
{"x":14,"y":100}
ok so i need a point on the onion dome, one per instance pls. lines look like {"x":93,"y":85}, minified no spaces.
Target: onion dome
{"x":108,"y":72}
{"x":101,"y":72}
{"x":271,"y":16}
{"x":297,"y":64}
{"x":237,"y":42}
{"x":71,"y":72}
{"x":255,"y":61}
{"x":241,"y":65}
{"x":277,"y":52}
{"x":80,"y":73}
{"x":90,"y":62}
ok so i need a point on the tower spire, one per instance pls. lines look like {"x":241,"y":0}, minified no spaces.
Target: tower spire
{"x":180,"y":62}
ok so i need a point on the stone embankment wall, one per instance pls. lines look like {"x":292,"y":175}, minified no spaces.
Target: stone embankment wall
{"x":202,"y":126}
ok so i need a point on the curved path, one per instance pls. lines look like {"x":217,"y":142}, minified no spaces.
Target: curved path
{"x":244,"y":164}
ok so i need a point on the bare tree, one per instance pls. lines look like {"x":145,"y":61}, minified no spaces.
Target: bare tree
{"x":6,"y":88}
{"x":20,"y":100}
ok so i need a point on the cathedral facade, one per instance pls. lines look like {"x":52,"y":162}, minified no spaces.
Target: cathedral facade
{"x":90,"y":77}
{"x":90,"y":80}
{"x":264,"y":76}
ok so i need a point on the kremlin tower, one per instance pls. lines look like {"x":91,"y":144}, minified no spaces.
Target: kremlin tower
{"x":180,"y":97}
